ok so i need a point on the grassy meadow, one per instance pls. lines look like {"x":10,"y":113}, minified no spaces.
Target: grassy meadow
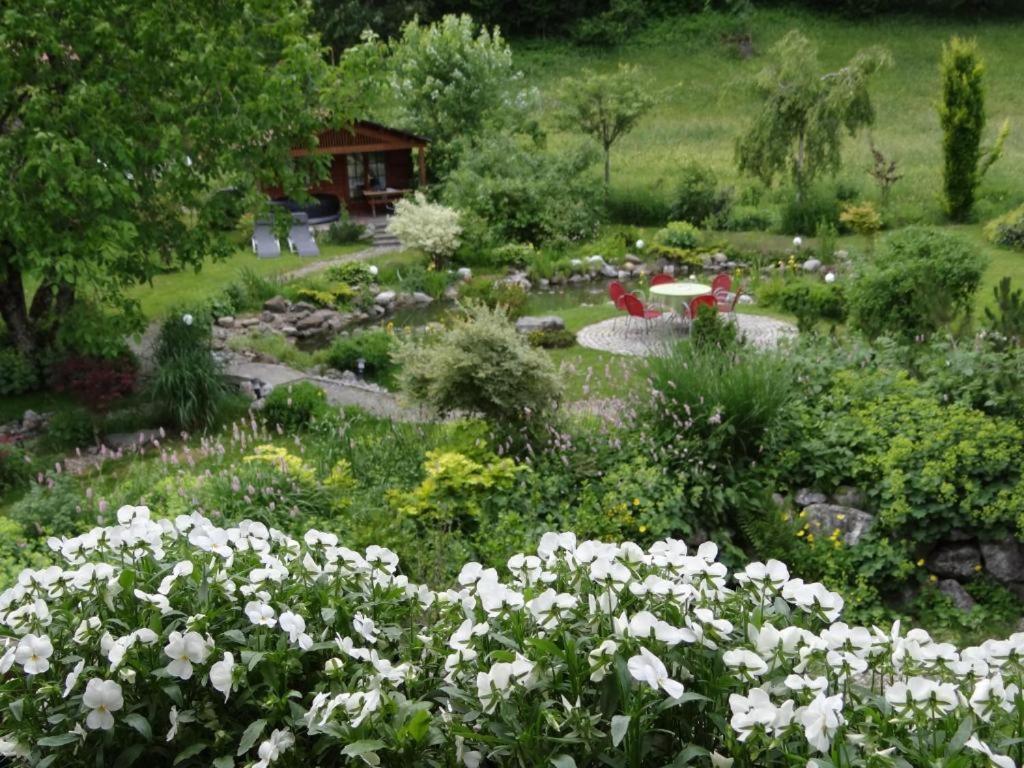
{"x":705,"y":104}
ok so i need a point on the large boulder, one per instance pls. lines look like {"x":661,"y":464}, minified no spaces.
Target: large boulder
{"x":422,"y":298}
{"x":955,"y":561}
{"x":955,"y":591}
{"x":851,"y":523}
{"x":848,"y":496}
{"x":607,"y":270}
{"x":278,"y":305}
{"x":385,"y":298}
{"x":314,"y":320}
{"x":812,"y":265}
{"x":1003,"y":559}
{"x":546,"y":323}
{"x":806,"y":496}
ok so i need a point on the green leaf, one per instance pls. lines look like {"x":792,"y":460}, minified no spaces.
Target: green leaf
{"x":252,"y":658}
{"x":250,"y":735}
{"x":140,"y":724}
{"x":563,"y":761}
{"x":47,"y":761}
{"x":126,"y":579}
{"x":359,"y":748}
{"x":235,"y":635}
{"x":963,"y":733}
{"x":226,"y":761}
{"x":57,"y":741}
{"x":190,"y":751}
{"x":16,"y":708}
{"x":620,"y":724}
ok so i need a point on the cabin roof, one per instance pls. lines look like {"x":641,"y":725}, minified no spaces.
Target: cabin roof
{"x":364,"y":136}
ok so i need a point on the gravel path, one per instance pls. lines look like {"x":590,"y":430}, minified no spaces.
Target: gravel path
{"x":320,"y":266}
{"x":378,"y":402}
{"x":622,"y":336}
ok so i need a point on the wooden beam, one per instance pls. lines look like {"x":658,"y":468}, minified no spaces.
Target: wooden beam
{"x":421,"y":161}
{"x":352,"y":149}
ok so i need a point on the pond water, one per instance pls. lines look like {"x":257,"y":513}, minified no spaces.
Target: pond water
{"x":549,"y":302}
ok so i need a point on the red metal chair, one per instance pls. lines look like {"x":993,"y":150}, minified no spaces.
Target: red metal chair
{"x":707,"y":300}
{"x":636,"y":309}
{"x":662,"y":279}
{"x":615,"y":293}
{"x":721,"y":287}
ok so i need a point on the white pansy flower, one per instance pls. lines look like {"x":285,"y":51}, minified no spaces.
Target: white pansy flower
{"x":648,"y":668}
{"x":33,"y":654}
{"x":72,"y":678}
{"x":102,"y":698}
{"x":221,"y":674}
{"x":821,"y":719}
{"x":184,"y":651}
{"x":1000,"y":761}
{"x":260,"y":613}
{"x":270,"y":750}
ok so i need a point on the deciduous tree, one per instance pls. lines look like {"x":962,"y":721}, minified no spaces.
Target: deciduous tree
{"x":803,"y":113}
{"x":605,"y":106}
{"x":118,"y":122}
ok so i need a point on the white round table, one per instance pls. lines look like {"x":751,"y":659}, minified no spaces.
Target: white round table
{"x":679,"y":295}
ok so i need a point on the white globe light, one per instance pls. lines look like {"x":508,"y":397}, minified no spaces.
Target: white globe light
{"x":373,"y":270}
{"x":830,"y":277}
{"x":798,"y":241}
{"x":186,"y":319}
{"x":639,"y":245}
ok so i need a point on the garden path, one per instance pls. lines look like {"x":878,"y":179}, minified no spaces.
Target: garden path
{"x":319,"y":266}
{"x":380,"y":403}
{"x":620,"y":336}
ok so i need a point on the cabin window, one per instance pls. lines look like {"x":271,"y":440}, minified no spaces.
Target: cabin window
{"x":366,"y":171}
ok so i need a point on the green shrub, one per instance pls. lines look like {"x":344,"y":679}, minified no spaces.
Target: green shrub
{"x":920,"y":281}
{"x":558,"y":339}
{"x":686,"y":257}
{"x":355,"y":274}
{"x":513,"y":255}
{"x":54,"y":508}
{"x":751,"y":218}
{"x":293,"y":407}
{"x":17,"y":552}
{"x":416,"y":277}
{"x":15,"y":468}
{"x":187,"y":383}
{"x":810,"y":300}
{"x":525,"y":195}
{"x":801,"y":217}
{"x":1008,"y":229}
{"x":679,"y":234}
{"x":711,"y":331}
{"x":861,"y":218}
{"x":928,"y":467}
{"x":697,"y":197}
{"x":345,"y":231}
{"x":480,"y":365}
{"x":1007,"y":320}
{"x":72,"y":428}
{"x":18,"y":374}
{"x":640,"y":206}
{"x":372,"y":347}
{"x":719,"y":403}
{"x":510,"y":297}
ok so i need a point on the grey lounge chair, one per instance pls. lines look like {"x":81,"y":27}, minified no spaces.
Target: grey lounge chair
{"x":300,"y":236}
{"x":264,"y":243}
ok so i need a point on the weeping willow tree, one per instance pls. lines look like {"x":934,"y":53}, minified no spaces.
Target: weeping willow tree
{"x":804,"y":114}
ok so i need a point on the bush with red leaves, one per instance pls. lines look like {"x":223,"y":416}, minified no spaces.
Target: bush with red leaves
{"x":96,"y":382}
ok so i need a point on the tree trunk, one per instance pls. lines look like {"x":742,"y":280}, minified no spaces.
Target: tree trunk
{"x":798,"y":169}
{"x":12,"y":304}
{"x":607,"y":168}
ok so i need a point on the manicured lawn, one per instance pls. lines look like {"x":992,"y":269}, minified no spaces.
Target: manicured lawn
{"x":188,"y":287}
{"x":704,"y":104}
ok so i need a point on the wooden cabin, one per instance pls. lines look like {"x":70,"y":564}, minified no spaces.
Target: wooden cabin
{"x":371,"y":167}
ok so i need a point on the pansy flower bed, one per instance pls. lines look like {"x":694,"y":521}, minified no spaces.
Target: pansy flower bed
{"x":179,"y":642}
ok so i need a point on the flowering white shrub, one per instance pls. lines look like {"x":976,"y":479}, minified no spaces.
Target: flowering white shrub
{"x":431,"y":227}
{"x":180,"y":642}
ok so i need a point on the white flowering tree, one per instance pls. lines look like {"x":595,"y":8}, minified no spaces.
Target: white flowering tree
{"x":181,"y":642}
{"x":431,"y":227}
